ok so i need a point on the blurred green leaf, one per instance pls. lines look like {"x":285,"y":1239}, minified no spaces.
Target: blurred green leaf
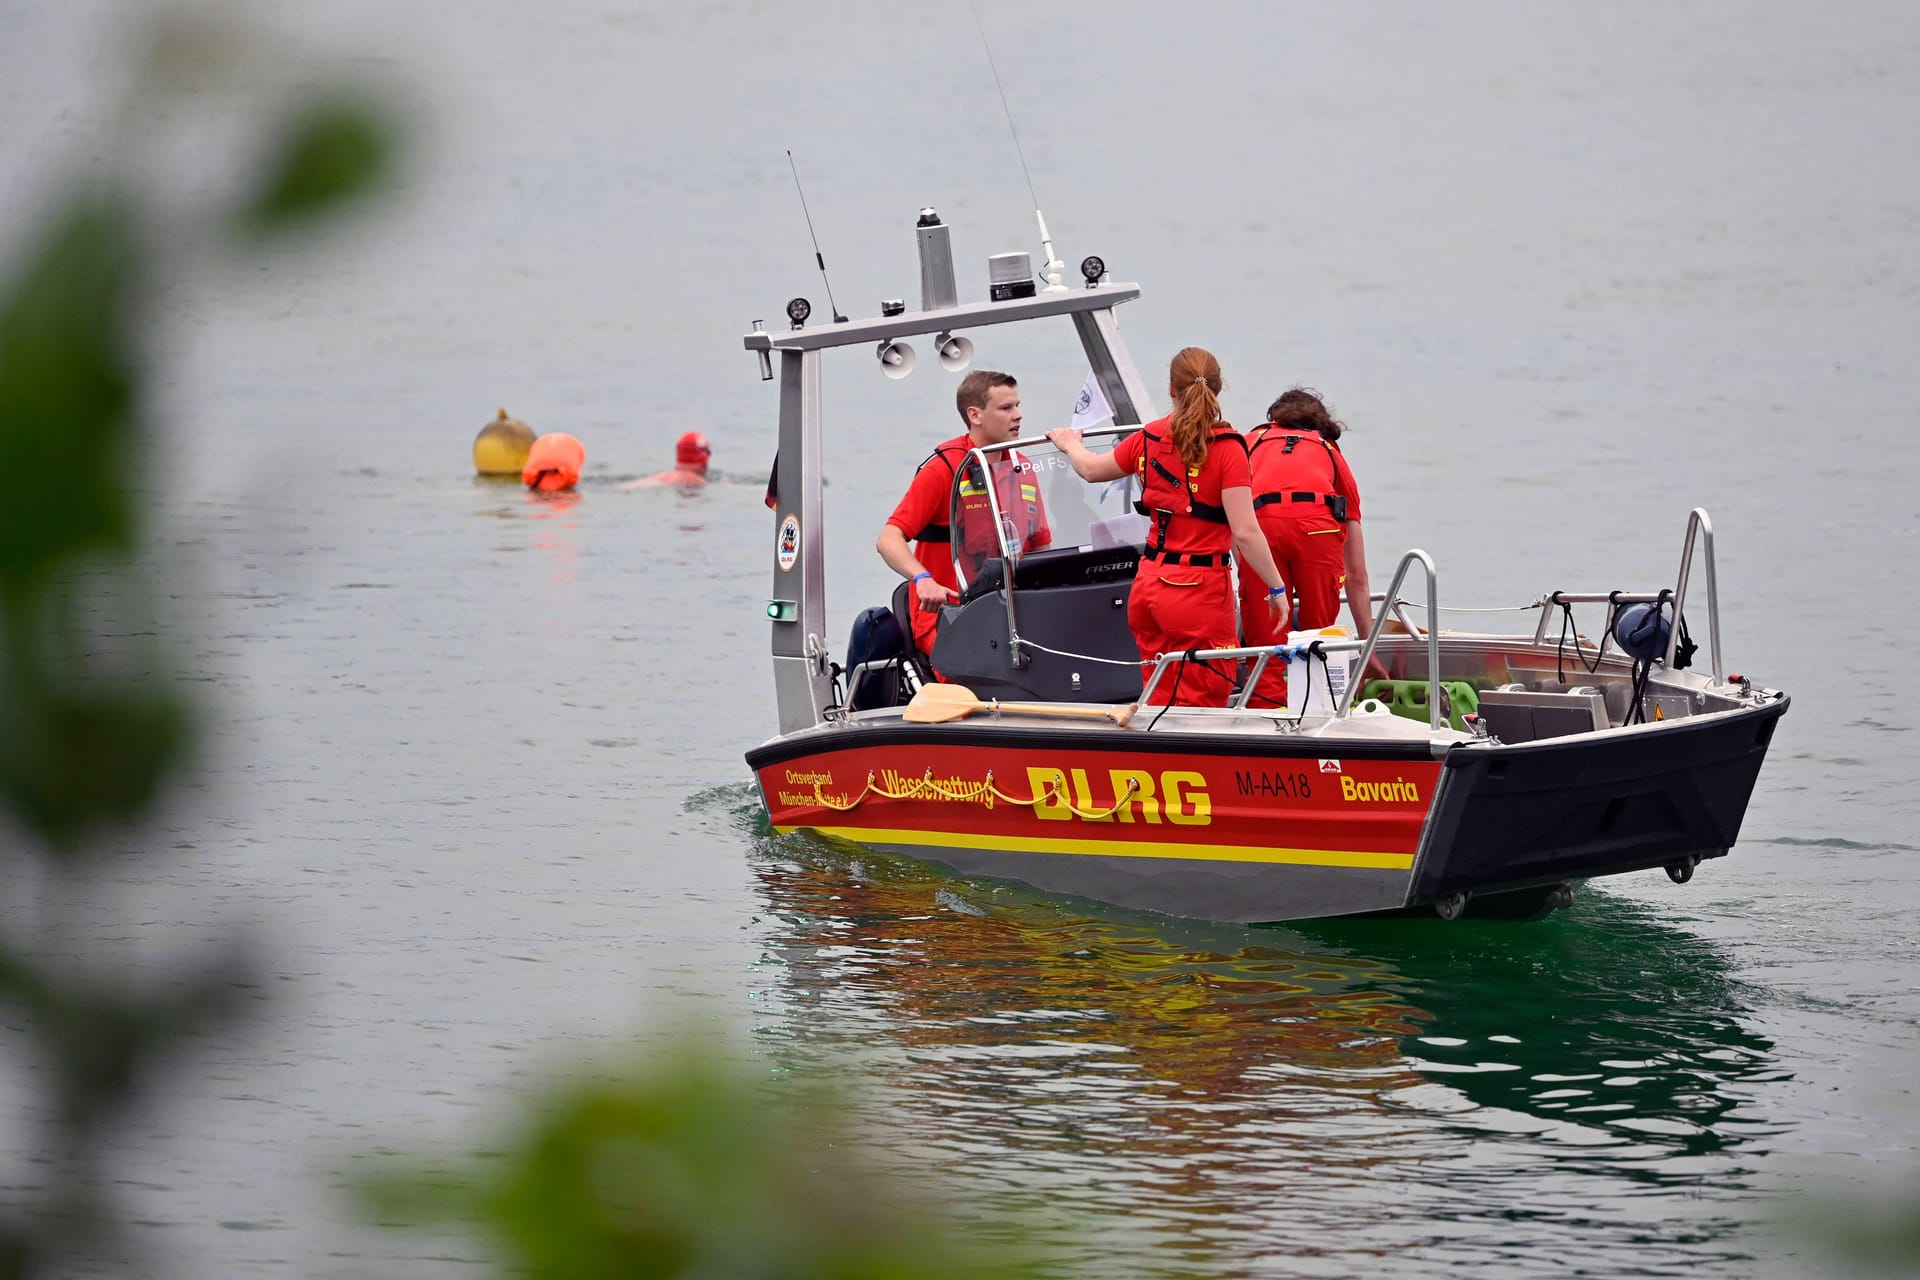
{"x":101,"y":1033}
{"x":70,"y":761}
{"x":67,"y":375}
{"x":688,"y":1171}
{"x":1865,"y":1238}
{"x":329,"y":153}
{"x":192,"y":49}
{"x":91,"y":725}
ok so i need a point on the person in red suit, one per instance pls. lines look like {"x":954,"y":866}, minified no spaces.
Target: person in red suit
{"x":989,"y":405}
{"x":1309,"y":510}
{"x":1198,"y":492}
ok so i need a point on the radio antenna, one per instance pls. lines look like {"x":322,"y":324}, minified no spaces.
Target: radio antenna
{"x":817,"y":256}
{"x":1054,"y":264}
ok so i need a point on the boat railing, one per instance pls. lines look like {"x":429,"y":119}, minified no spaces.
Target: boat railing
{"x":1697,"y":523}
{"x":877,"y":669}
{"x":1255,"y":653}
{"x":1261,"y":655}
{"x":1699,"y":533}
{"x":1407,"y":561}
{"x":1700,"y":529}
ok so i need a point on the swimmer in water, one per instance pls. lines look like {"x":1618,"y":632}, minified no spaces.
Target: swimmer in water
{"x":690,"y":454}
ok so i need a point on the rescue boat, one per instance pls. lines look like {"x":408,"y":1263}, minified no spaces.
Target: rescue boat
{"x":1422,"y":770}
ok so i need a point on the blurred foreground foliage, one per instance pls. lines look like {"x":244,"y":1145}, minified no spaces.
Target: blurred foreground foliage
{"x":683,"y":1168}
{"x":94,"y":723}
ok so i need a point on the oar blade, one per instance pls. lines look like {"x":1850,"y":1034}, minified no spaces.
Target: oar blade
{"x":939,"y":703}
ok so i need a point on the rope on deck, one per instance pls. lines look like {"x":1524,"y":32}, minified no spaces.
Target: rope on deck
{"x":926,"y":787}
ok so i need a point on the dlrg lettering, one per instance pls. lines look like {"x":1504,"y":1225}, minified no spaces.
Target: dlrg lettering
{"x":1177,"y":795}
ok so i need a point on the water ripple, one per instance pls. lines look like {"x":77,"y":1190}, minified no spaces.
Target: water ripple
{"x":1235,"y":1093}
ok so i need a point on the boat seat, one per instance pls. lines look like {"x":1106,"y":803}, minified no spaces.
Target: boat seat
{"x":1525,"y":715}
{"x":916,"y":661}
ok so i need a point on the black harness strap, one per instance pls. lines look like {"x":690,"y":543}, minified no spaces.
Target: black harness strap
{"x":941,"y":532}
{"x":1202,"y":510}
{"x":1199,"y":560}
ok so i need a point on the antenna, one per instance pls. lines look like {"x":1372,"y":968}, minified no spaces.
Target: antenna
{"x":834,"y":306}
{"x":1054,"y":264}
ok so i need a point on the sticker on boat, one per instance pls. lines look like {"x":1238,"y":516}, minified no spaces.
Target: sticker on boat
{"x":1329,"y":766}
{"x":789,"y":542}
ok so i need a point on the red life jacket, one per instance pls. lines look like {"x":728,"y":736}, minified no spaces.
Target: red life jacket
{"x":976,"y":535}
{"x":1170,"y":496}
{"x":1283,"y":472}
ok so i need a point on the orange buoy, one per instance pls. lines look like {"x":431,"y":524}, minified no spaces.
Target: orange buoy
{"x":501,"y":447}
{"x":554,"y":462}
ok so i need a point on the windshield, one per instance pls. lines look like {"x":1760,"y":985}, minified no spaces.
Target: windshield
{"x":1026,"y":499}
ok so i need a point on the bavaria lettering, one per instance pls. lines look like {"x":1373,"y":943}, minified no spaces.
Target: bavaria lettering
{"x":1399,"y":790}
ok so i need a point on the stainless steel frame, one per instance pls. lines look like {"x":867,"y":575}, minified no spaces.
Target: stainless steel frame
{"x":1699,"y":527}
{"x":803,"y":687}
{"x":1008,"y":559}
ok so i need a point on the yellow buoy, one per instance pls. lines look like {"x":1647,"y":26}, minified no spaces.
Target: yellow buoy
{"x":501,"y":447}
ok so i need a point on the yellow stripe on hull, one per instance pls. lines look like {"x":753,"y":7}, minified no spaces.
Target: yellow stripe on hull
{"x":1118,"y":848}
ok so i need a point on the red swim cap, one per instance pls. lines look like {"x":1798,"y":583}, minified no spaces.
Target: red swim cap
{"x":691,"y":450}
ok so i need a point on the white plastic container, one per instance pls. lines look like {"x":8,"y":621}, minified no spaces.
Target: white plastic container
{"x":1320,"y":686}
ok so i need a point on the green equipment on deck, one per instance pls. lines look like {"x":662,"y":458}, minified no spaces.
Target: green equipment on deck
{"x":1409,"y":698}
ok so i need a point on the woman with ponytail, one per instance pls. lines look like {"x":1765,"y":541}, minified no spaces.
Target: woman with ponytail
{"x":1197,"y":491}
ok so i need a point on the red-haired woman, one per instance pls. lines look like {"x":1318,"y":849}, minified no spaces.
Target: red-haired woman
{"x":1309,"y":512}
{"x":1198,"y":491}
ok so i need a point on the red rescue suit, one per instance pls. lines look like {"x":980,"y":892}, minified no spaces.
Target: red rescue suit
{"x":1182,"y":593}
{"x":921,"y":517}
{"x":1303,"y":494}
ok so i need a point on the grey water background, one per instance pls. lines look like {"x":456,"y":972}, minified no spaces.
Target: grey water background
{"x":475,"y":773}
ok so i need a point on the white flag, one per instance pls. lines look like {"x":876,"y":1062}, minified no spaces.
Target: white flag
{"x":1092,"y":406}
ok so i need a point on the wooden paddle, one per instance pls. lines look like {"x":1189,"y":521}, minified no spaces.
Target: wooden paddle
{"x":939,"y":703}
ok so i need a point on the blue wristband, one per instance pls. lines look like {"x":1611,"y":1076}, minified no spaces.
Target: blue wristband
{"x":922,"y":574}
{"x":1275,"y":592}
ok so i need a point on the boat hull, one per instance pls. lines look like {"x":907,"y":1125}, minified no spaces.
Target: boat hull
{"x":1592,"y":805}
{"x":1236,"y":830}
{"x":1247,"y":828}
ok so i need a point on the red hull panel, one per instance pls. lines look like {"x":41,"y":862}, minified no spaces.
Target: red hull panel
{"x":1045,"y":799}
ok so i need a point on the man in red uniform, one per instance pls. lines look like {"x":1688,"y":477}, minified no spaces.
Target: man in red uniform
{"x":989,"y":405}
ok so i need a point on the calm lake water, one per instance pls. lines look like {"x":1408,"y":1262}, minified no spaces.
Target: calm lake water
{"x":474,"y":777}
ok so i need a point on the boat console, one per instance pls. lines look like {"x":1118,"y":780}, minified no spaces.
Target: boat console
{"x":1073,"y":643}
